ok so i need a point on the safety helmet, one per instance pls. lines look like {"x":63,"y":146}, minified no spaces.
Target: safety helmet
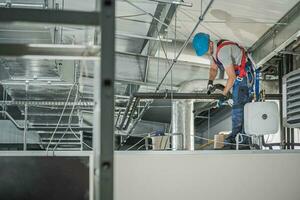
{"x":201,"y":43}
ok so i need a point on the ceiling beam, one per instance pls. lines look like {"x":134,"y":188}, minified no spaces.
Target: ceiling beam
{"x":278,"y":37}
{"x":165,"y":13}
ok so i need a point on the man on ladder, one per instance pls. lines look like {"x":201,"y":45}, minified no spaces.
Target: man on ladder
{"x":231,"y":57}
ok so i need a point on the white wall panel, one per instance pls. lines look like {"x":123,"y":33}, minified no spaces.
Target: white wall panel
{"x":226,"y":175}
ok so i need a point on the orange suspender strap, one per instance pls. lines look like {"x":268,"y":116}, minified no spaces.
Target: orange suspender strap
{"x":241,"y":68}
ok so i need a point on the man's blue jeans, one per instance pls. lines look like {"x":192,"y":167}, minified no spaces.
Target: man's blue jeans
{"x":240,"y":96}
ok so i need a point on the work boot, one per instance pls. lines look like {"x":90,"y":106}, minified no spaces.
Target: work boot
{"x":229,"y":144}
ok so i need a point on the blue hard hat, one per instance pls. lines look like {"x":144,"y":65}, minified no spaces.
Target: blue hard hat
{"x":201,"y":43}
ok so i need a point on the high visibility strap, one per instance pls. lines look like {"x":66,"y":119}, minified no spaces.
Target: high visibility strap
{"x":242,"y":67}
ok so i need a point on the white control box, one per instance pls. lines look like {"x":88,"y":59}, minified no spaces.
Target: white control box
{"x":261,"y":118}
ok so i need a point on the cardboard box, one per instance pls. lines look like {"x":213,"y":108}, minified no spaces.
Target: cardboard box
{"x":219,"y":141}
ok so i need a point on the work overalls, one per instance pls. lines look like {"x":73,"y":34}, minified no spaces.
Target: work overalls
{"x":241,"y":92}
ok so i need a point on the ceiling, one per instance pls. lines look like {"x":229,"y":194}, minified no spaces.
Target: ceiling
{"x":240,"y":21}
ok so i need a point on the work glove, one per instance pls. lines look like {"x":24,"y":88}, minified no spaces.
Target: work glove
{"x":210,"y":87}
{"x":222,"y":101}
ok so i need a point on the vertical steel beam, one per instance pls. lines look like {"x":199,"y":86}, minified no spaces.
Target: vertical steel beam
{"x":282,"y":129}
{"x":104,"y":110}
{"x":25,"y":120}
{"x":25,"y":127}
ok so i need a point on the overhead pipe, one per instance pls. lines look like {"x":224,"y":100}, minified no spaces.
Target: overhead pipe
{"x":190,"y":95}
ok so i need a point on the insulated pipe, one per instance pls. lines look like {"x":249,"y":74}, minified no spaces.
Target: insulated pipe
{"x":183,"y":118}
{"x":183,"y":123}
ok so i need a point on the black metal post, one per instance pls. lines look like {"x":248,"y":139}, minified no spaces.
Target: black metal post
{"x":104,"y":111}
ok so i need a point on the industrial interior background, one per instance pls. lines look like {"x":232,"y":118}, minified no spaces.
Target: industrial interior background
{"x":48,"y":88}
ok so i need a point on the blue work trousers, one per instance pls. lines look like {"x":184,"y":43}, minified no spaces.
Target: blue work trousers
{"x":240,"y":96}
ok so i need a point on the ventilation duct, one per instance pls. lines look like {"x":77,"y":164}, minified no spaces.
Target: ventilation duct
{"x":183,"y":125}
{"x":183,"y":117}
{"x":291,"y":99}
{"x":183,"y":128}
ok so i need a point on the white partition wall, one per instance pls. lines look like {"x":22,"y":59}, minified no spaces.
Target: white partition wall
{"x":224,"y":175}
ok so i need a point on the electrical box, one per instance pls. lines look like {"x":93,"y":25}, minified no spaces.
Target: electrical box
{"x":261,"y":118}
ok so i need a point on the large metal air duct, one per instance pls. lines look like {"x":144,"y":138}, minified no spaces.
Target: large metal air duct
{"x":183,"y":117}
{"x":183,"y":125}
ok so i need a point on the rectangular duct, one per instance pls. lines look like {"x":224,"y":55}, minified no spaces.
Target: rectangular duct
{"x":291,"y":99}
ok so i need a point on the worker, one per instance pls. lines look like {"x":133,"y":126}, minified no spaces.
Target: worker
{"x":231,"y":57}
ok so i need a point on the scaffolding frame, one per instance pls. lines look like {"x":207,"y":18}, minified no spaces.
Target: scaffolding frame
{"x":104,"y":100}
